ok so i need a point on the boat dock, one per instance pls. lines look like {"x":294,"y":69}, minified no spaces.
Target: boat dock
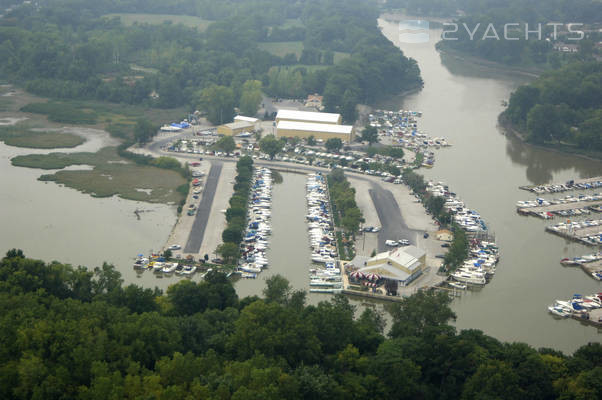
{"x":576,"y":184}
{"x":587,"y":232}
{"x":578,"y":207}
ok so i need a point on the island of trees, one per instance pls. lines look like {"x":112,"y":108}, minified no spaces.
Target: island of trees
{"x":562,"y":108}
{"x":74,"y":333}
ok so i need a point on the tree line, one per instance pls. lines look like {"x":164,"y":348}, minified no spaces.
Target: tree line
{"x":54,"y":51}
{"x":561,"y":107}
{"x":81,"y":334}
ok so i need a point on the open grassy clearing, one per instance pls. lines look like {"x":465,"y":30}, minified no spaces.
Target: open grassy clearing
{"x":281,"y":49}
{"x":155,"y":19}
{"x":111,"y":175}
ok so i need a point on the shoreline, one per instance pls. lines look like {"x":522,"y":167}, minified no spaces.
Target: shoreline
{"x":509,"y":129}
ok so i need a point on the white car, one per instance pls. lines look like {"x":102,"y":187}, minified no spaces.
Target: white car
{"x":391,"y":243}
{"x":404,"y":242}
{"x":175,"y":247}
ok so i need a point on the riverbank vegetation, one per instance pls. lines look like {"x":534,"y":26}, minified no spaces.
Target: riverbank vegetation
{"x":481,"y":29}
{"x":111,"y":175}
{"x":23,"y":136}
{"x":83,"y":334}
{"x":236,"y":214}
{"x":346,"y":214}
{"x":561,"y":108}
{"x":89,"y":55}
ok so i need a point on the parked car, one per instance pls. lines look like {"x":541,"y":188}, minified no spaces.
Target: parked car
{"x":426,"y":235}
{"x":445,"y":245}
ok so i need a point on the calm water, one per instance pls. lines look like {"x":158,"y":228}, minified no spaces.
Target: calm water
{"x":462,"y":102}
{"x":51,"y":222}
{"x":289,"y":253}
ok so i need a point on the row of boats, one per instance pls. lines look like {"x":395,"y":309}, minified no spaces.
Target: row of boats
{"x":468,"y":219}
{"x":159,"y":265}
{"x":259,"y":213}
{"x":571,"y":228}
{"x":322,"y":240}
{"x":563,"y":187}
{"x":579,"y":306}
{"x":573,"y":206}
{"x":479,"y":268}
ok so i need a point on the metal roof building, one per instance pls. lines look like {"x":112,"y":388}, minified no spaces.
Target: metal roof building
{"x":317,"y":130}
{"x":308,"y":116}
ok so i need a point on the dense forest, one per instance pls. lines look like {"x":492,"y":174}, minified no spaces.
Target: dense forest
{"x":73,"y":333}
{"x":562,"y":106}
{"x":477,"y":15}
{"x":73,"y":49}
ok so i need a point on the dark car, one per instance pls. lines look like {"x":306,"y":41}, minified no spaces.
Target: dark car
{"x":426,"y":235}
{"x":439,"y":256}
{"x":445,"y":245}
{"x":200,"y":158}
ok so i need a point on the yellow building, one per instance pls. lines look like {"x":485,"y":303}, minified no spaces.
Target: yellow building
{"x":308,"y":117}
{"x":318,"y":131}
{"x":235,"y":128}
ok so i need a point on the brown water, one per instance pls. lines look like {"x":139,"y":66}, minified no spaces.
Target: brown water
{"x":462,"y":102}
{"x":51,"y":222}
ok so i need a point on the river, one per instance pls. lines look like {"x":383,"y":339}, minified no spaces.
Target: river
{"x":51,"y":222}
{"x":461,"y":102}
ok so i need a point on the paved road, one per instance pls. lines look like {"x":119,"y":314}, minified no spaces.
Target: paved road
{"x":393,"y":225}
{"x":193,"y":245}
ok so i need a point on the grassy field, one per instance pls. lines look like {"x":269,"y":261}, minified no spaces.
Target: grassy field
{"x":45,"y":140}
{"x":281,"y":49}
{"x":111,"y":175}
{"x":155,"y":19}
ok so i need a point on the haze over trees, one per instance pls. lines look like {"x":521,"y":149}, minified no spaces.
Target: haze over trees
{"x":76,"y":333}
{"x":562,"y":106}
{"x":54,"y":51}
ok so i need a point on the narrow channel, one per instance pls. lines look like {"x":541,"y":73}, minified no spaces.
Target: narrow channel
{"x":288,"y":254}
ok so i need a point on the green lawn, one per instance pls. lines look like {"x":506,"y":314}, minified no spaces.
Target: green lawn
{"x":281,"y":49}
{"x":155,"y":19}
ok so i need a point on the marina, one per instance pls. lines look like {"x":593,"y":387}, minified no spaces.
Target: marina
{"x":591,"y":264}
{"x":259,"y":228}
{"x":586,"y":309}
{"x":588,"y":232}
{"x":568,"y":206}
{"x":572,"y":184}
{"x":322,"y":240}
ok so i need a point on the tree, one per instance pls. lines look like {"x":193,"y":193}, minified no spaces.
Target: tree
{"x":144,"y":131}
{"x":167,"y":254}
{"x":334,"y":144}
{"x":229,"y":252}
{"x":270,"y":145}
{"x":250,"y":99}
{"x":370,"y":135}
{"x":218,"y":102}
{"x":225,"y":144}
{"x":277,"y":289}
{"x":311,"y":141}
{"x":426,"y":312}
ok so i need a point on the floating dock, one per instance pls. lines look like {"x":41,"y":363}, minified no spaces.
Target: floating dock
{"x":589,"y":235}
{"x":576,"y":184}
{"x":556,"y":210}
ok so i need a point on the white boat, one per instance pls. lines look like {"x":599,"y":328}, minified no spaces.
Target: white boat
{"x":472,"y":278}
{"x":188,"y":270}
{"x":168,"y":268}
{"x":326,"y":290}
{"x":559,"y":311}
{"x":457,"y":285}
